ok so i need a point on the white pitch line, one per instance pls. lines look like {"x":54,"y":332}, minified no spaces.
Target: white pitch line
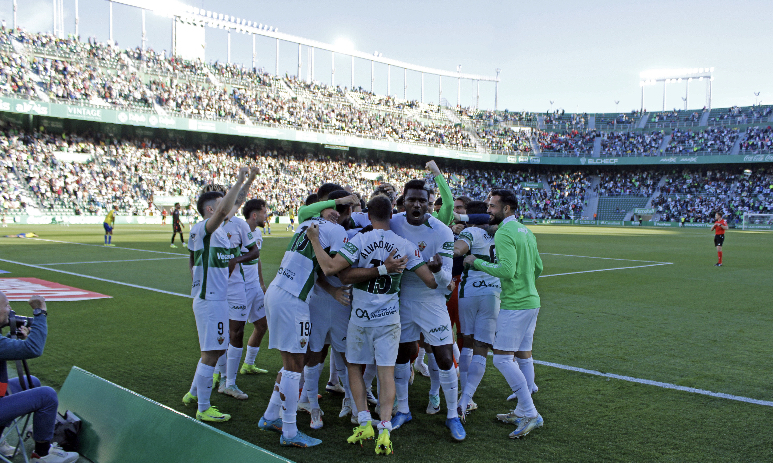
{"x":107,"y":247}
{"x":96,"y":278}
{"x":111,"y":261}
{"x":605,"y":258}
{"x":604,"y":270}
{"x":719,"y":395}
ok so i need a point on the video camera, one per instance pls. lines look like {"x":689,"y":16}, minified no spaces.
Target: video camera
{"x":17,"y":321}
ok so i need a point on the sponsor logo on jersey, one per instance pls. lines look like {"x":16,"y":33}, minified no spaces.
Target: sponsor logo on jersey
{"x":439,"y":329}
{"x":286,"y":273}
{"x":422,"y":246}
{"x":191,"y":236}
{"x":448,"y":246}
{"x":350,"y":248}
{"x":222,"y":256}
{"x":483,"y":284}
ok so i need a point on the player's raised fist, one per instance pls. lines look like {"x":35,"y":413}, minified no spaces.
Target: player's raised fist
{"x":37,"y":302}
{"x":312,"y":232}
{"x":254,"y":171}
{"x":432,"y":167}
{"x":243,"y":173}
{"x":348,"y":200}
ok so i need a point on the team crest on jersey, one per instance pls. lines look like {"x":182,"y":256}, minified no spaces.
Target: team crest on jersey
{"x":303,"y":343}
{"x":220,"y":339}
{"x":229,"y":235}
{"x":422,"y":246}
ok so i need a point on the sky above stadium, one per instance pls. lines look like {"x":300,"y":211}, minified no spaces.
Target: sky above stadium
{"x":583,"y":56}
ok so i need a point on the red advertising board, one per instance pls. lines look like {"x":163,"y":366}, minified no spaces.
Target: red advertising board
{"x":20,"y":289}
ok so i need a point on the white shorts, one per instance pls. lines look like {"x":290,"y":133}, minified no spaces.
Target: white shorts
{"x":255,"y":307}
{"x":289,"y":325}
{"x":515,"y":330}
{"x":366,"y":345}
{"x":237,"y":302}
{"x":329,"y":320}
{"x":478,"y":317}
{"x":211,"y":323}
{"x":425,"y":317}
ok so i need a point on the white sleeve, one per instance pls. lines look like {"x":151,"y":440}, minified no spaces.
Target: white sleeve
{"x":443,"y":277}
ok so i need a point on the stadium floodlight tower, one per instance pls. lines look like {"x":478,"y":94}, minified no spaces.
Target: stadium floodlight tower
{"x":677,"y":76}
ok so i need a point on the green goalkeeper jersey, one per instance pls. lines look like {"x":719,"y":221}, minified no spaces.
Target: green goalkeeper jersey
{"x":518,"y":265}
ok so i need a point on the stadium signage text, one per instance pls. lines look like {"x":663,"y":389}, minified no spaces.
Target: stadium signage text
{"x":86,"y":113}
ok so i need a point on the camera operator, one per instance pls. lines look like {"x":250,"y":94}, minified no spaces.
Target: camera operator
{"x":42,"y":401}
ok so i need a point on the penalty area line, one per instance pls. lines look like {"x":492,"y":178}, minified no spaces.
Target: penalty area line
{"x":113,"y":261}
{"x":107,"y":247}
{"x":604,"y":258}
{"x":648,"y":382}
{"x":97,"y":278}
{"x":604,"y":270}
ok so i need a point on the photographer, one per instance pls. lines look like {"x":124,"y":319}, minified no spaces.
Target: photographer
{"x":41,"y":401}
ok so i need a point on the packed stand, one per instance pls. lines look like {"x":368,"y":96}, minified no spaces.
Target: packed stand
{"x":631,"y":143}
{"x":714,"y":139}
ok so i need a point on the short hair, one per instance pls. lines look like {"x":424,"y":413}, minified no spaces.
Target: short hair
{"x":400,"y":200}
{"x":205,"y":198}
{"x":251,"y":206}
{"x":327,"y":188}
{"x":311,"y":199}
{"x":386,"y":189}
{"x":336,"y":195}
{"x":720,"y":213}
{"x":415,"y":184}
{"x":506,"y":197}
{"x":214,"y":187}
{"x":176,"y":204}
{"x":476,"y":207}
{"x":380,"y":208}
{"x":464,"y":199}
{"x":439,"y":201}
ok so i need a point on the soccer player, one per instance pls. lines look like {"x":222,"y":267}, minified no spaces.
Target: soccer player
{"x":255,"y":216}
{"x":291,"y":225}
{"x":478,"y":305}
{"x":244,"y":250}
{"x":163,"y":216}
{"x":287,"y":312}
{"x":108,"y":224}
{"x":423,"y":311}
{"x":374,"y":323}
{"x":518,"y":266}
{"x":177,"y":225}
{"x":719,"y":227}
{"x":210,"y":264}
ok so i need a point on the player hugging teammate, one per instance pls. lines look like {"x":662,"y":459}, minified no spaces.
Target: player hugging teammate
{"x":371,"y":285}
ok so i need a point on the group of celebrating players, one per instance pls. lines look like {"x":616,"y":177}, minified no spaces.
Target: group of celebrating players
{"x":372,"y":285}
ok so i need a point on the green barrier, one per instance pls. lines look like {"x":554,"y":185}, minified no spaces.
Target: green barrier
{"x":122,"y":426}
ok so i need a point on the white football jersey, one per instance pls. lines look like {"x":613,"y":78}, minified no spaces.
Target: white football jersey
{"x":240,"y":237}
{"x":475,"y":282}
{"x":375,"y":302}
{"x":211,"y":253}
{"x":251,"y":275}
{"x":299,"y":268}
{"x":432,"y":237}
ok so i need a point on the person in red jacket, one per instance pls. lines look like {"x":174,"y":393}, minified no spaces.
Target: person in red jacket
{"x":719,"y":227}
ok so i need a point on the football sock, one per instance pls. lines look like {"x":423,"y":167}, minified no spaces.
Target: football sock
{"x":517,"y":383}
{"x":194,"y":389}
{"x":402,"y":376}
{"x":203,"y":380}
{"x":475,"y":374}
{"x":719,"y":253}
{"x":450,"y":384}
{"x":421,"y":354}
{"x":234,"y":356}
{"x":384,"y":426}
{"x":333,"y":378}
{"x":220,"y":366}
{"x":527,"y":368}
{"x":464,"y":364}
{"x":274,"y":403}
{"x":456,"y":353}
{"x":109,"y":239}
{"x":105,"y":239}
{"x":289,"y":388}
{"x":252,"y":352}
{"x":363,"y":417}
{"x":434,"y":376}
{"x":311,"y":386}
{"x":370,"y":372}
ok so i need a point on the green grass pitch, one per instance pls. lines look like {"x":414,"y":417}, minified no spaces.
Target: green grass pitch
{"x":684,"y":322}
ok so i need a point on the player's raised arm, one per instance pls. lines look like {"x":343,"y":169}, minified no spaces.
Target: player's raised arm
{"x":329,"y":265}
{"x":446,"y":212}
{"x":244,"y":191}
{"x":227,"y":203}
